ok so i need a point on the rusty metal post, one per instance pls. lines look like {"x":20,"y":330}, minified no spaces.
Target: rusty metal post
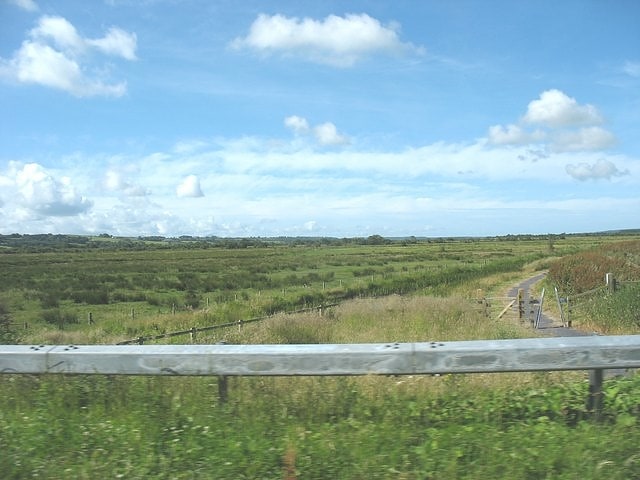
{"x":596,"y":396}
{"x":223,"y":388}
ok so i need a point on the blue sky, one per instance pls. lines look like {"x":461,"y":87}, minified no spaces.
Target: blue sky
{"x":333,"y":118}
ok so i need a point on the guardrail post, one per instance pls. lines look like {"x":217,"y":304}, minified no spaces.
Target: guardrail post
{"x":223,"y":383}
{"x":223,"y":388}
{"x":596,"y":396}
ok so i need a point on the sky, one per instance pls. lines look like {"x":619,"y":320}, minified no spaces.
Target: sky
{"x":344,"y":118}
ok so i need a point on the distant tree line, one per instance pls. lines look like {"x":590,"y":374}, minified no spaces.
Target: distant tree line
{"x":48,"y":242}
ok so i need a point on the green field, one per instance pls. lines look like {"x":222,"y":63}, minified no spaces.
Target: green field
{"x":142,"y":287}
{"x":533,"y":426}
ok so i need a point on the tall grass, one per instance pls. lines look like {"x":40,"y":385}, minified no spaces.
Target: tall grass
{"x":317,"y":428}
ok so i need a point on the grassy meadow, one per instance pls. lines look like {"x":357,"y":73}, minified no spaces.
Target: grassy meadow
{"x":532,"y":426}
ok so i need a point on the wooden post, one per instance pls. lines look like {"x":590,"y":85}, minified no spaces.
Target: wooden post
{"x":564,"y":323}
{"x":537,"y":324}
{"x":521,"y":303}
{"x":611,"y":282}
{"x":192,"y":334}
{"x":90,"y":319}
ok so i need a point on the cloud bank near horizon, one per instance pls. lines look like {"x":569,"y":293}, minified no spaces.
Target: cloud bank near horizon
{"x":254,"y":179}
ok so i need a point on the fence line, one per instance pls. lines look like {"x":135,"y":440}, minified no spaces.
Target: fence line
{"x":238,"y":323}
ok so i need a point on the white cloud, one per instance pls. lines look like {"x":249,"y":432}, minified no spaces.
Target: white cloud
{"x":601,"y":169}
{"x":299,"y":125}
{"x":556,"y":109}
{"x":28,"y":5}
{"x":190,"y":187}
{"x":114,"y":181}
{"x":54,"y":56}
{"x":589,"y":138}
{"x":116,"y":42}
{"x":337,"y":41}
{"x":513,"y":135}
{"x":42,"y":193}
{"x":63,"y":34}
{"x":558,"y":116}
{"x":326,"y":134}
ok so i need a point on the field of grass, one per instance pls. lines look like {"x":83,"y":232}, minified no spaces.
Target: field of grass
{"x":146,"y":289}
{"x":488,"y":426}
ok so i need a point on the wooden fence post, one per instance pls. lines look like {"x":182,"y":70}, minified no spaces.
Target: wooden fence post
{"x":521,"y":304}
{"x":539,"y":316}
{"x":611,"y":282}
{"x":564,"y":322}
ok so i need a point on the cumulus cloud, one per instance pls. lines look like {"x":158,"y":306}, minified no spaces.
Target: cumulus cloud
{"x":299,"y":125}
{"x":513,"y":135}
{"x":116,"y":182}
{"x":190,"y":187}
{"x":556,"y":109}
{"x":337,"y":41}
{"x":55,"y":55}
{"x":558,"y":123}
{"x":42,"y":193}
{"x":326,"y":134}
{"x":601,"y":169}
{"x":590,"y":138}
{"x":310,"y":226}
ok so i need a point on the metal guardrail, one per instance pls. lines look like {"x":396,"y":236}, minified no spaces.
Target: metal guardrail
{"x":478,"y":356}
{"x":596,"y":353}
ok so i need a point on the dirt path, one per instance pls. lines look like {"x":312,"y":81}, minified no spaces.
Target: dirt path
{"x":547,"y":325}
